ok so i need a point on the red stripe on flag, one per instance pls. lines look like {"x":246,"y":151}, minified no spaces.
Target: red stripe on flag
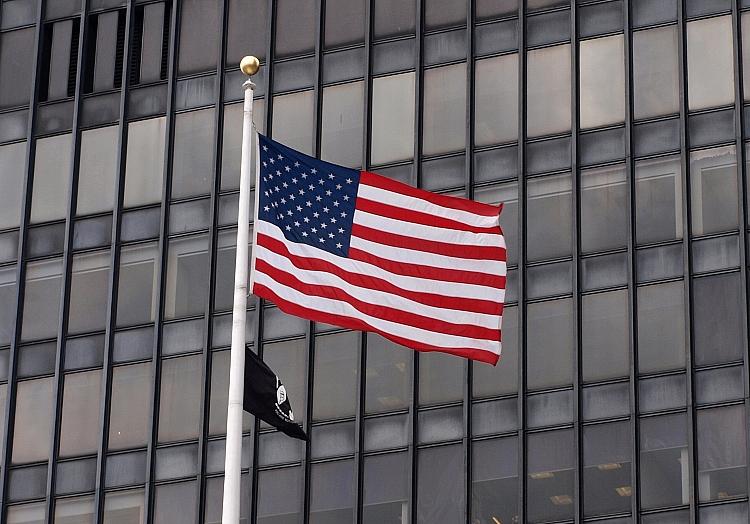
{"x":398,"y":316}
{"x":473,"y":305}
{"x":353,"y":323}
{"x":462,"y":204}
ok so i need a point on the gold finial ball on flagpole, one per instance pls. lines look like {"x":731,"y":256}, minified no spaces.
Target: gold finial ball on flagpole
{"x":250,"y":65}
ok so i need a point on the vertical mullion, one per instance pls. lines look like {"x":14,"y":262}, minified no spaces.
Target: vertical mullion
{"x":62,"y":324}
{"x":122,"y":133}
{"x":10,"y":400}
{"x":686,"y":254}
{"x":162,"y":267}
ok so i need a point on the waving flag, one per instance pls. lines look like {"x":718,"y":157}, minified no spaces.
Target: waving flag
{"x":361,"y":251}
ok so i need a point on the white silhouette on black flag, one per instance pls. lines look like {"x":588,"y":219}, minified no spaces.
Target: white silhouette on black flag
{"x":266,"y":398}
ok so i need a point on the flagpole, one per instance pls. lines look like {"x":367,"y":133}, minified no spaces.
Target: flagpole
{"x":233,"y":456}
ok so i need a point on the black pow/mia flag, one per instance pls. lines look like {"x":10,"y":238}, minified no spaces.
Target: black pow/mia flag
{"x":265,"y":397}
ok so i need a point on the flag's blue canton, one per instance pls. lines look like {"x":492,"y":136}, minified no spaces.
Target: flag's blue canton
{"x":310,"y":200}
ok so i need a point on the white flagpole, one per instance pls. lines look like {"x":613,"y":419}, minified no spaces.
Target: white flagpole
{"x":233,"y":457}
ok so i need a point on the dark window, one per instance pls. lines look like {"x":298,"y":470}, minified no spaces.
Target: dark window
{"x":336,"y":370}
{"x":199,"y":36}
{"x":332,"y":490}
{"x":661,"y":327}
{"x":722,"y":457}
{"x":393,"y":17}
{"x":105,"y":48}
{"x":295,"y":27}
{"x":246,"y":30}
{"x":150,"y":49}
{"x":664,"y":461}
{"x":344,"y":22}
{"x":79,"y":434}
{"x":550,"y":476}
{"x":385,"y":488}
{"x":607,"y":457}
{"x":440,"y":490}
{"x":31,"y":433}
{"x":717,"y":313}
{"x":12,"y":175}
{"x":16,"y":63}
{"x":494,"y":484}
{"x":176,"y":503}
{"x":59,"y":60}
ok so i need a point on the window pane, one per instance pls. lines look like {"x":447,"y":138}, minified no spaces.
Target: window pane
{"x":49,"y":199}
{"x":231,"y":151}
{"x":661,"y":327}
{"x":550,"y":470}
{"x":496,"y":100}
{"x":393,"y":17}
{"x":293,"y":120}
{"x":607,"y":458}
{"x":487,"y":380}
{"x":709,"y":62}
{"x":549,"y":212}
{"x":33,"y":422}
{"x":193,"y":153}
{"x":26,"y":513}
{"x":8,"y":290}
{"x":79,"y":434}
{"x":145,"y":162}
{"x":295,"y":27}
{"x":79,"y":510}
{"x":388,"y":384}
{"x":494,"y":485}
{"x":722,"y":458}
{"x":217,"y":420}
{"x":341,"y":132}
{"x":440,"y":490}
{"x":96,"y":175}
{"x":12,"y":175}
{"x":41,"y":306}
{"x":440,"y":378}
{"x":604,"y":335}
{"x":548,"y":90}
{"x":130,"y":406}
{"x":603,"y":209}
{"x":385,"y":489}
{"x":713,"y":190}
{"x":550,"y":343}
{"x":176,"y":503}
{"x":392,"y":118}
{"x":187,"y":277}
{"x":655,"y":73}
{"x":336,"y":365}
{"x":602,"y":77}
{"x":664,"y":461}
{"x":199,"y":36}
{"x":444,"y":109}
{"x":279,"y":496}
{"x":717,"y":318}
{"x":124,"y":507}
{"x":246,"y":29}
{"x":16,"y":62}
{"x":136,"y":294}
{"x":180,"y":399}
{"x":658,"y":199}
{"x":344,"y":22}
{"x":88,"y":292}
{"x":287,"y":359}
{"x":745,"y":30}
{"x":332,"y":487}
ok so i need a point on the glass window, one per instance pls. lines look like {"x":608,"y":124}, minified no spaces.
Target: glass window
{"x":602,"y":81}
{"x":722,"y":457}
{"x":279,"y":496}
{"x":341,"y":131}
{"x":444,"y":128}
{"x":8,"y":291}
{"x":713,"y":190}
{"x":548,"y":90}
{"x":336,"y":365}
{"x":151,"y":50}
{"x":124,"y":507}
{"x":661,"y":327}
{"x":487,"y":380}
{"x":231,"y":150}
{"x":656,"y":84}
{"x":180,"y":399}
{"x":494,"y":482}
{"x":293,"y":120}
{"x":745,"y":30}
{"x":496,"y":100}
{"x":187,"y":277}
{"x":107,"y":70}
{"x":549,"y":333}
{"x":444,"y":13}
{"x":550,"y":476}
{"x":200,"y":29}
{"x":717,"y":319}
{"x":88,"y":292}
{"x":295,"y":27}
{"x":549,"y":214}
{"x":344,"y":22}
{"x":710,"y":62}
{"x":247,"y":24}
{"x":507,"y":194}
{"x":393,"y":17}
{"x":33,"y":422}
{"x":217,"y":420}
{"x":16,"y":62}
{"x":3,"y":398}
{"x":664,"y":461}
{"x":41,"y":305}
{"x":193,"y":153}
{"x":12,"y":175}
{"x":97,"y":172}
{"x":136,"y":290}
{"x":79,"y":434}
{"x":332,"y":488}
{"x":26,"y":513}
{"x":145,"y":162}
{"x":176,"y":503}
{"x":392,"y":118}
{"x":440,"y":490}
{"x":604,"y":335}
{"x":658,"y":199}
{"x":49,"y":200}
{"x":388,"y":384}
{"x":130,"y":406}
{"x":385,"y":488}
{"x":75,"y":510}
{"x":607,"y":457}
{"x":441,"y":378}
{"x":287,"y":359}
{"x":604,"y":209}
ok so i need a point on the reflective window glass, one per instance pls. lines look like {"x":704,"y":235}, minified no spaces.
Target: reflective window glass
{"x":145,"y":162}
{"x":293,"y":120}
{"x":187,"y":277}
{"x":79,"y":434}
{"x":124,"y":507}
{"x":393,"y":17}
{"x":444,"y":128}
{"x":392,"y":118}
{"x":717,"y":319}
{"x":440,"y":493}
{"x":179,"y":399}
{"x":602,"y":81}
{"x":97,"y":172}
{"x":507,"y":194}
{"x":33,"y":421}
{"x":655,"y":72}
{"x":549,"y":212}
{"x":604,"y":335}
{"x":713,"y":190}
{"x":176,"y":503}
{"x":41,"y":306}
{"x":487,"y":380}
{"x":388,"y":383}
{"x":193,"y":153}
{"x":335,"y":372}
{"x":548,"y":90}
{"x":217,"y":420}
{"x":12,"y":175}
{"x":231,"y":149}
{"x":61,"y":38}
{"x":26,"y":513}
{"x":550,"y":472}
{"x":295,"y":27}
{"x":136,"y":293}
{"x":247,"y":24}
{"x":710,"y":66}
{"x":130,"y":406}
{"x":664,"y":461}
{"x":332,"y":490}
{"x":494,"y":482}
{"x":280,"y":496}
{"x":745,"y":30}
{"x":722,"y":456}
{"x":385,"y":488}
{"x":16,"y":62}
{"x":550,"y":343}
{"x":440,"y":378}
{"x":88,"y":292}
{"x":51,"y":178}
{"x":607,"y":459}
{"x":661,"y":327}
{"x":496,"y":100}
{"x":604,"y":208}
{"x":287,"y":359}
{"x":199,"y":36}
{"x":78,"y":510}
{"x":8,"y":291}
{"x":344,"y":23}
{"x":658,"y":199}
{"x":341,"y":129}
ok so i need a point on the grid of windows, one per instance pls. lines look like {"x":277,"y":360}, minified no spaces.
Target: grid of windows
{"x":613,"y":131}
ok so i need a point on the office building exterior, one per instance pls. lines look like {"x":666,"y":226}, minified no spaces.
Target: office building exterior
{"x":612,"y":130}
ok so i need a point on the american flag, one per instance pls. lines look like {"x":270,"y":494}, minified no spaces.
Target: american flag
{"x":361,"y":251}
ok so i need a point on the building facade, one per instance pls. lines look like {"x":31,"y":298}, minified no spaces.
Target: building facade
{"x":612,"y":130}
